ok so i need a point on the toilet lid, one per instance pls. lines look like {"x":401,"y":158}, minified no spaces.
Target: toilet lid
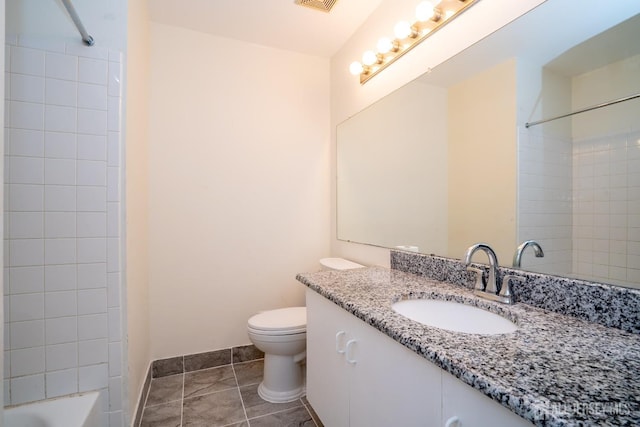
{"x":290,"y":320}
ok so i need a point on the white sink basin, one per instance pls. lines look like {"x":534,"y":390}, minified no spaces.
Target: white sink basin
{"x":454,"y":316}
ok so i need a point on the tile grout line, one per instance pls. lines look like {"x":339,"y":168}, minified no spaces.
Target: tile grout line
{"x":182,"y":396}
{"x":244,"y":410}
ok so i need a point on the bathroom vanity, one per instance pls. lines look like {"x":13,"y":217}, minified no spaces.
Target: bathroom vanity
{"x":370,"y":366}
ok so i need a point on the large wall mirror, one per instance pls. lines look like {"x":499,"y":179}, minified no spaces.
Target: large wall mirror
{"x":447,"y":161}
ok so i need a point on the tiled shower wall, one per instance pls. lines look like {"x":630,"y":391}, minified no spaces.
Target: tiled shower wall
{"x":606,"y":220}
{"x":62,"y":282}
{"x":545,"y":200}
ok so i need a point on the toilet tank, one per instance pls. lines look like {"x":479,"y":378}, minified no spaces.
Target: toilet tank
{"x":338,"y":264}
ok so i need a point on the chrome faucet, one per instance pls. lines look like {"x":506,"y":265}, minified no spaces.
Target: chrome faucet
{"x":489,"y":289}
{"x":491,"y":285}
{"x":537,"y":249}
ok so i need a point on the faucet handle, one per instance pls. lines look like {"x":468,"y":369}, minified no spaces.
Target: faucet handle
{"x":505,"y":289}
{"x":480,"y":285}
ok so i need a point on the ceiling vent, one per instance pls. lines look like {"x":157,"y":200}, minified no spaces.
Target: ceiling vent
{"x":323,"y":5}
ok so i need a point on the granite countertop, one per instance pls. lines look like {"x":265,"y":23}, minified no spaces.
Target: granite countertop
{"x":555,"y":370}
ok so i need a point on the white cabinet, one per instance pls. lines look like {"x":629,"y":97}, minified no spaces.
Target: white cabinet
{"x":472,"y":408}
{"x":357,"y":376}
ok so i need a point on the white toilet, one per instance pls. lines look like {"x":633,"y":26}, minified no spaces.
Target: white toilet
{"x":282,"y":335}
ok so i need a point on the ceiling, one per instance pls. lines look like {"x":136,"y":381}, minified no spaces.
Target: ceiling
{"x":276,"y":23}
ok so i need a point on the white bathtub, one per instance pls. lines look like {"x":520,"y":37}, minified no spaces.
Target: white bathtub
{"x":74,"y":411}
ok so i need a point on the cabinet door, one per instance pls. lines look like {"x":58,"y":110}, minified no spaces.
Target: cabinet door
{"x":473,"y":408}
{"x":327,"y":373}
{"x":390,"y":384}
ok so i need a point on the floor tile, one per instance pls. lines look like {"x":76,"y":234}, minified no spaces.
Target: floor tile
{"x":256,"y":406}
{"x":316,"y":418}
{"x":213,"y":410}
{"x":165,"y":415}
{"x":297,"y":417}
{"x":249,"y":372}
{"x":165,"y":389}
{"x":208,"y":381}
{"x":166,"y":367}
{"x":210,"y":359}
{"x":246,"y":353}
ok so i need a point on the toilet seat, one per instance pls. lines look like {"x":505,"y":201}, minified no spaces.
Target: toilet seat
{"x":283,"y":321}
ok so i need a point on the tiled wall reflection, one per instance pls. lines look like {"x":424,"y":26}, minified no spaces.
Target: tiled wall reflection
{"x":62,"y":281}
{"x":606,"y":181}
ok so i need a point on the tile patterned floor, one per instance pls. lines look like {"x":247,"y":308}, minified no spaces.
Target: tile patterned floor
{"x":221,"y":396}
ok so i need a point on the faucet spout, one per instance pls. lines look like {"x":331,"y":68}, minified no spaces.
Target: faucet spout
{"x":537,"y":250}
{"x":491,"y":286}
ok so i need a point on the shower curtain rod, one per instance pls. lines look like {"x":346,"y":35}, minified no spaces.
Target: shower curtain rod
{"x":86,"y":38}
{"x":584,"y":110}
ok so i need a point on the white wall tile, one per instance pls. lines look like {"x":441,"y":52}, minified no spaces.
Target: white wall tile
{"x":60,"y":251}
{"x":26,"y":279}
{"x":25,"y":142}
{"x":115,"y":56}
{"x":61,"y":330}
{"x":7,"y":364}
{"x":26,"y":252}
{"x":79,"y":49}
{"x":61,"y":383}
{"x":60,"y":225}
{"x":27,"y":361}
{"x":27,"y":61}
{"x":27,"y":334}
{"x":27,"y":389}
{"x":113,"y":289}
{"x":92,"y":172}
{"x":93,"y":352}
{"x":93,"y":71}
{"x":26,"y":170}
{"x":60,"y":171}
{"x":93,"y":326}
{"x":92,"y":147}
{"x":92,"y":224}
{"x":114,"y":79}
{"x":115,"y":359}
{"x":60,"y":66}
{"x":92,"y":96}
{"x":92,"y":301}
{"x":60,"y":119}
{"x":113,"y":219}
{"x":93,"y":377}
{"x":60,"y":145}
{"x":113,"y":254}
{"x":92,"y":122}
{"x":92,"y":276}
{"x":115,"y":394}
{"x":27,"y":88}
{"x":60,"y":277}
{"x":26,"y":225}
{"x":92,"y":250}
{"x":92,"y":199}
{"x":26,"y":307}
{"x":60,"y":198}
{"x":113,"y":117}
{"x":26,"y":115}
{"x":61,"y":92}
{"x":60,"y":304}
{"x":113,"y":184}
{"x":113,"y":149}
{"x":115,"y":325}
{"x":62,"y":356}
{"x":25,"y":197}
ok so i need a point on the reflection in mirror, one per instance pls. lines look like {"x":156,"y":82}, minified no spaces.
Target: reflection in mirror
{"x":446,"y":161}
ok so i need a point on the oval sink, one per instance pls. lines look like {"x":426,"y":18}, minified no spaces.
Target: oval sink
{"x":454,"y":316}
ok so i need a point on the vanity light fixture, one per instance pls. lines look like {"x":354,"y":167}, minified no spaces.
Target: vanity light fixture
{"x":430,"y":16}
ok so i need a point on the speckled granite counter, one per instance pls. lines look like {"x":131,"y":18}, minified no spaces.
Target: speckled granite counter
{"x":555,"y":370}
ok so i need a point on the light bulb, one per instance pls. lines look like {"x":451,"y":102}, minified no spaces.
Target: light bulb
{"x":384,"y":45}
{"x":369,"y":58}
{"x":356,"y":68}
{"x":402,"y":30}
{"x":425,"y":11}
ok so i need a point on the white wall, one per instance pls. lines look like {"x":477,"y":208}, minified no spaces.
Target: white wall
{"x":348,"y":96}
{"x":238,"y":190}
{"x":136,"y":192}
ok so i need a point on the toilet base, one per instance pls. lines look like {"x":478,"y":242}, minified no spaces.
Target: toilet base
{"x":283,"y":379}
